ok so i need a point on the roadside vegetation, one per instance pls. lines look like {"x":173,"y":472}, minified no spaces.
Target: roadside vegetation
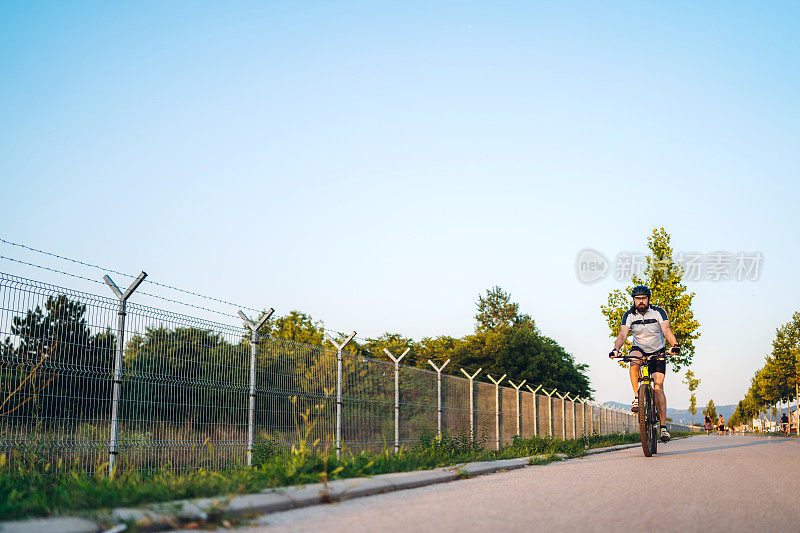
{"x":29,"y":487}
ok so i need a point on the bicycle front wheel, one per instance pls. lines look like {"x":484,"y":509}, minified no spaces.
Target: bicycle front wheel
{"x":655,"y":422}
{"x":644,"y":419}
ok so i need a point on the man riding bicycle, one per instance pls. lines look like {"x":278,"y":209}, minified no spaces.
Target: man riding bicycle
{"x":649,"y":325}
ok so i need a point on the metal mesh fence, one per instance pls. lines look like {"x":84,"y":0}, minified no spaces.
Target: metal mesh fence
{"x":184,"y":390}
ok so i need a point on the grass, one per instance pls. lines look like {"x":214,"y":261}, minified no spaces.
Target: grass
{"x":30,"y":488}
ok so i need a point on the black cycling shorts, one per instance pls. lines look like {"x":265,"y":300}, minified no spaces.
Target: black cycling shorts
{"x":656,"y":364}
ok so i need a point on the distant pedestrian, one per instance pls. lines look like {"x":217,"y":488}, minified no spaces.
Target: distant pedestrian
{"x":708,"y":425}
{"x":785,"y":424}
{"x":721,"y":425}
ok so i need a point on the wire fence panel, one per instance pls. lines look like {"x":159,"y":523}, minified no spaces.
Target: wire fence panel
{"x":543,"y":413}
{"x":56,"y":364}
{"x":418,"y":404}
{"x":184,"y":392}
{"x":456,"y":408}
{"x":367,"y":403}
{"x":569,"y":410}
{"x":508,"y":414}
{"x":527,"y":421}
{"x":485,"y":413}
{"x":558,"y":417}
{"x":295,"y":395}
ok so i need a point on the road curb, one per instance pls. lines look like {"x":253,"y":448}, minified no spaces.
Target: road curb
{"x":169,"y":515}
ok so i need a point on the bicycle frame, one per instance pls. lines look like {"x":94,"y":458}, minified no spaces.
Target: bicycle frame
{"x":649,"y":416}
{"x":649,"y":408}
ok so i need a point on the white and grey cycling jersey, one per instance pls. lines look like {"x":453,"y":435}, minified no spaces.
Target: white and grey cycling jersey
{"x":646,"y":328}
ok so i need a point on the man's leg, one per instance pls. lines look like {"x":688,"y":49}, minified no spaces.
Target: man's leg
{"x":636,"y":373}
{"x":661,"y":398}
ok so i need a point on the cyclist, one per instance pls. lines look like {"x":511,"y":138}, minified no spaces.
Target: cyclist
{"x":649,"y":325}
{"x":785,"y":424}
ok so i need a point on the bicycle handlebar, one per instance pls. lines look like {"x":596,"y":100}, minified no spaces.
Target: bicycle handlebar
{"x":627,"y":358}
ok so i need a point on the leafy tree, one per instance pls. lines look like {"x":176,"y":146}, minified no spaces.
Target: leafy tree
{"x":782,"y":370}
{"x":295,"y":326}
{"x":496,"y":311}
{"x":710,"y":410}
{"x":664,"y":277}
{"x":692,"y":382}
{"x":507,"y":342}
{"x":438,"y":349}
{"x":396,"y":344}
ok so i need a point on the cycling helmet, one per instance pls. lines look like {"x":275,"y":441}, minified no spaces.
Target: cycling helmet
{"x":641,"y":290}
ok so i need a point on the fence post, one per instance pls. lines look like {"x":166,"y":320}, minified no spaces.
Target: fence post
{"x":339,"y":389}
{"x":574,"y":418}
{"x":550,"y":410}
{"x":519,"y":421}
{"x":439,"y":393}
{"x":119,"y":354}
{"x":535,"y":414}
{"x":497,"y":407}
{"x":251,"y":418}
{"x":471,"y":402}
{"x":396,"y":396}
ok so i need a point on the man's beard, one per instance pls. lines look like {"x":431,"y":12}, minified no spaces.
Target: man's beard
{"x":641,"y":307}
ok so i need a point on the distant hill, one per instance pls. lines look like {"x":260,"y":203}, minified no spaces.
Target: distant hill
{"x":683,"y":416}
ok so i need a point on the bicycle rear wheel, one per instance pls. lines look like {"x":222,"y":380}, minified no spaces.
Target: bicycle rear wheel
{"x":644,"y":420}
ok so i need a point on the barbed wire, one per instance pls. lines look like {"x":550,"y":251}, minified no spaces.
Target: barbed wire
{"x":113,"y":271}
{"x":55,"y":270}
{"x":163,"y":285}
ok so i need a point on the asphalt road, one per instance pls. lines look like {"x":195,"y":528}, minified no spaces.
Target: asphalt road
{"x":709,"y":483}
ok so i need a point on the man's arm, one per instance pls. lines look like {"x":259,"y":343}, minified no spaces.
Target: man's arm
{"x":623,"y":334}
{"x":668,"y":333}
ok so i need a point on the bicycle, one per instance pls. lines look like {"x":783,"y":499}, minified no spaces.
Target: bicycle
{"x":649,"y":417}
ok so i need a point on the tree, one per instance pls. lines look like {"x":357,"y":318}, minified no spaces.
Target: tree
{"x":496,"y":311}
{"x":396,"y":344}
{"x":664,"y":277}
{"x":710,"y":411}
{"x":692,"y":382}
{"x":782,"y":371}
{"x":507,"y":342}
{"x":295,"y":326}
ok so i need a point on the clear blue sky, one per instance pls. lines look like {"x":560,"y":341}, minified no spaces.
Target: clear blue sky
{"x":379,"y":165}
